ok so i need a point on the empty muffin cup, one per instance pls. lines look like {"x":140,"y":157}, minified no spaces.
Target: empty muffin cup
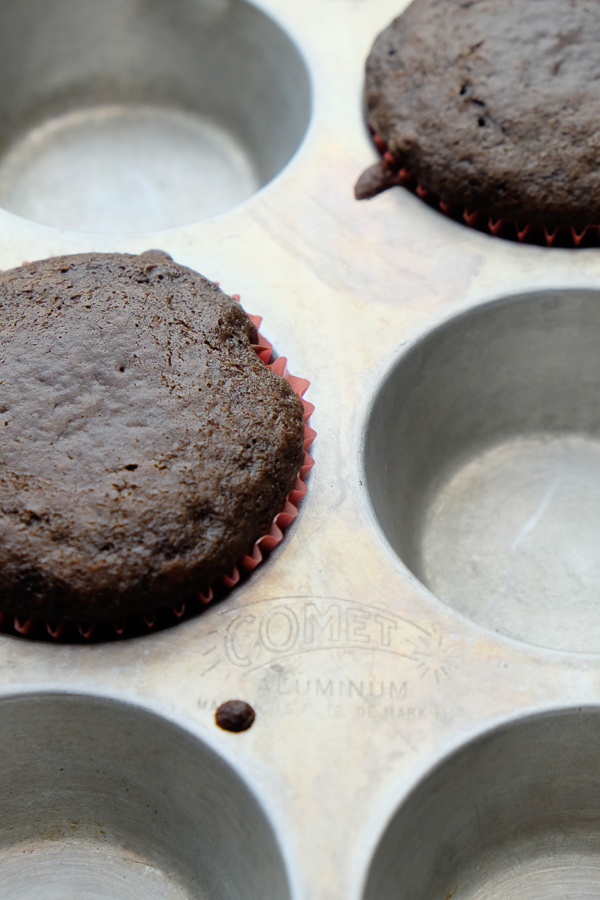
{"x":119,"y":116}
{"x":515,"y":813}
{"x":102,"y":800}
{"x":482,"y":459}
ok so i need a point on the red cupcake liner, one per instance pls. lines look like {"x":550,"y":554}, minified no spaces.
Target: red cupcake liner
{"x":133,"y":625}
{"x":391,"y":173}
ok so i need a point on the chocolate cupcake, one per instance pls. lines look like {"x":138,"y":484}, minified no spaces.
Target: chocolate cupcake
{"x":144,"y":446}
{"x":492,"y":107}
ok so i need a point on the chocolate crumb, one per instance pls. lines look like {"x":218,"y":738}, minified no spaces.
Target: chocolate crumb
{"x":235,"y":715}
{"x":375,"y":180}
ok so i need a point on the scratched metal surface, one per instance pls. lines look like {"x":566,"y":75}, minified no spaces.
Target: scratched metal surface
{"x":363,"y":678}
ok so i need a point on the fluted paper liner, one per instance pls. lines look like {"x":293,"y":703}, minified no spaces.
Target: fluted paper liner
{"x":132,"y":624}
{"x":563,"y":235}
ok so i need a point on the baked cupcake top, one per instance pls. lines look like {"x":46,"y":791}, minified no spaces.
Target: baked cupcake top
{"x":494,"y":105}
{"x":144,"y":446}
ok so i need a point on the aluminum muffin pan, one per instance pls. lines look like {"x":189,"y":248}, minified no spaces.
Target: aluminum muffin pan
{"x":422,"y":649}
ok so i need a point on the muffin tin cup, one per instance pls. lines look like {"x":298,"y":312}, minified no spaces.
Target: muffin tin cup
{"x":513,"y":812}
{"x":121,"y":117}
{"x":102,"y":798}
{"x":482,"y":461}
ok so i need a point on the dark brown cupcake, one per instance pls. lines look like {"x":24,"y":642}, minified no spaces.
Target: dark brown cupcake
{"x":493,"y":106}
{"x":144,"y":446}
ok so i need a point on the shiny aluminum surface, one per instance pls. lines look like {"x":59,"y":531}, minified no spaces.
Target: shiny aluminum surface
{"x":483,"y":465}
{"x":101,"y":799}
{"x":421,"y":650}
{"x":121,"y":116}
{"x":516,"y":815}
